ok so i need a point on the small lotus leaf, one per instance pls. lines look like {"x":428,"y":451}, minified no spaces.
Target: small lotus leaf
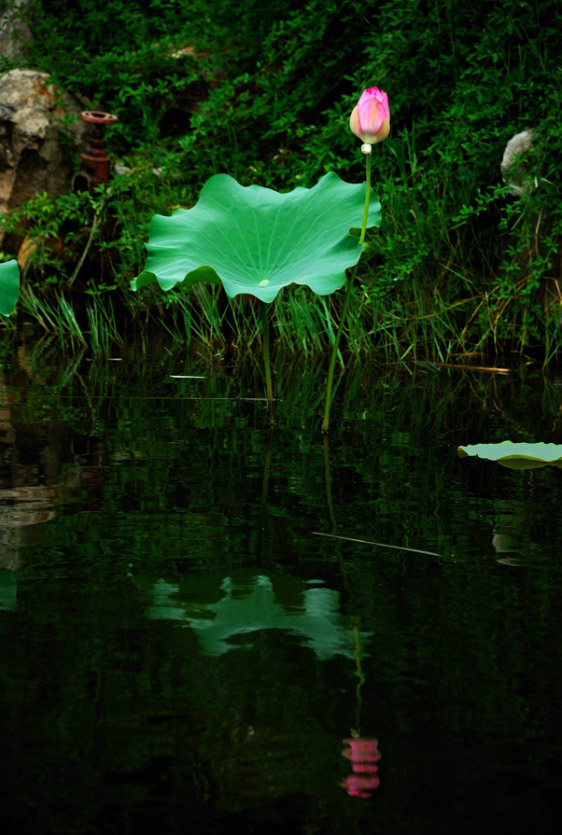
{"x":255,"y":240}
{"x":9,"y":286}
{"x":517,"y":456}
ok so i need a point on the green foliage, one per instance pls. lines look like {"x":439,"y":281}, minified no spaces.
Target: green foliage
{"x":40,"y":222}
{"x":458,"y":264}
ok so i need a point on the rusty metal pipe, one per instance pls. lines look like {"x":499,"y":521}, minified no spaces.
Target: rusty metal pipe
{"x":95,"y":166}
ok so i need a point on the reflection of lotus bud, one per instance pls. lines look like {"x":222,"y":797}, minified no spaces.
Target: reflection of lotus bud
{"x":363,"y":754}
{"x":370,"y":118}
{"x":357,"y":785}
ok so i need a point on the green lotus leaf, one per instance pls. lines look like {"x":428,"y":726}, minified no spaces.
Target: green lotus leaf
{"x":517,"y":456}
{"x":9,"y":286}
{"x":255,"y":240}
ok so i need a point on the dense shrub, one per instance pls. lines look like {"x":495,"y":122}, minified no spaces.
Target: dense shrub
{"x":263,"y":92}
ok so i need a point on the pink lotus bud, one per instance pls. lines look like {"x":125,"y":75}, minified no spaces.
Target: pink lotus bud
{"x":370,"y":118}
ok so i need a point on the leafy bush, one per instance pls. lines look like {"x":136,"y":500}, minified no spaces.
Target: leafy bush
{"x":458,"y":264}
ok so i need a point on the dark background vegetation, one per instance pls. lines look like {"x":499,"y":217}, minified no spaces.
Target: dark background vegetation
{"x":263,"y":92}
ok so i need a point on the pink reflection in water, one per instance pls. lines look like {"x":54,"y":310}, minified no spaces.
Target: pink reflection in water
{"x":363,"y":754}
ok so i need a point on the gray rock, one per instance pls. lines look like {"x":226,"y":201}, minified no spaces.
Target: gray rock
{"x":14,"y":32}
{"x":33,"y":116}
{"x":514,"y":175}
{"x":521,"y":183}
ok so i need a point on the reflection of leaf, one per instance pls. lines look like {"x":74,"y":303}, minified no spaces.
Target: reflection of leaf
{"x":256,"y":240}
{"x":8,"y":590}
{"x":517,"y":456}
{"x":9,"y":286}
{"x":251,"y":606}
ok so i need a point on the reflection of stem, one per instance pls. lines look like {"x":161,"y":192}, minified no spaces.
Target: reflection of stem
{"x":360,"y":676}
{"x":357,"y":650}
{"x":267,"y":365}
{"x":336,"y":345}
{"x":265,"y":490}
{"x":356,"y":633}
{"x":329,"y":485}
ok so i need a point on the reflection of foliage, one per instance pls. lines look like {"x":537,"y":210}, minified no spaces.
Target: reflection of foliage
{"x":170,"y":438}
{"x":464,"y":653}
{"x":8,"y":590}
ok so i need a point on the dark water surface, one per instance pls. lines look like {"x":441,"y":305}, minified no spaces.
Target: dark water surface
{"x":180,"y":651}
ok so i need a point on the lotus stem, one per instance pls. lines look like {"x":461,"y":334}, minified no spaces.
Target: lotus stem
{"x":267,"y":365}
{"x":336,"y":345}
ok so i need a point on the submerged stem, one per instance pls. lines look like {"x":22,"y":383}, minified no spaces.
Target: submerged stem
{"x":336,"y":345}
{"x":266,"y":362}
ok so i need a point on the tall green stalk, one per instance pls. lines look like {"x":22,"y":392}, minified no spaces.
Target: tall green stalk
{"x":335,"y":347}
{"x":266,"y":361}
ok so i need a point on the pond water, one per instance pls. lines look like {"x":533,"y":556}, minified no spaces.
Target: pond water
{"x":187,"y":646}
